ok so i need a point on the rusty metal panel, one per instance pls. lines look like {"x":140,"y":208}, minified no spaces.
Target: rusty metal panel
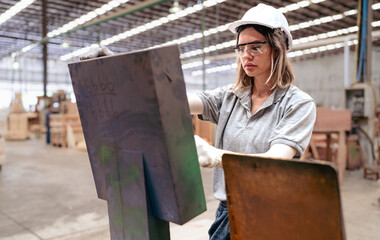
{"x":137,"y":102}
{"x":279,"y":199}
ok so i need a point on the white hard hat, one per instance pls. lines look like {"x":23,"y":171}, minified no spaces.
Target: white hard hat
{"x":266,"y":16}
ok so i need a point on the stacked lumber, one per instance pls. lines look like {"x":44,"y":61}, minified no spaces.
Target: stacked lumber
{"x":16,"y":105}
{"x":57,"y":130}
{"x":19,"y":120}
{"x":74,"y":131}
{"x":65,"y":130}
{"x":17,"y":126}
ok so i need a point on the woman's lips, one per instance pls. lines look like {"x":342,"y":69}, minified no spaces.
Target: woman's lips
{"x":249,"y":65}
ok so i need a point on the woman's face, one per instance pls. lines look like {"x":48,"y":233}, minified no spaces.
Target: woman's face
{"x":256,"y":57}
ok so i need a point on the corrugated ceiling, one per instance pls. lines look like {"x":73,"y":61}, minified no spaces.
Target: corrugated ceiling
{"x":26,"y":27}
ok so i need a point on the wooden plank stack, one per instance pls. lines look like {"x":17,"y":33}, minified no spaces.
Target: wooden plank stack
{"x":57,"y":130}
{"x":18,"y":120}
{"x":65,"y":130}
{"x":16,"y":105}
{"x":17,"y":127}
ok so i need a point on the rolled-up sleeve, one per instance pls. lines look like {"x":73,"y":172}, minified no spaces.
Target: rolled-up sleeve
{"x":212,"y":101}
{"x":296,"y":126}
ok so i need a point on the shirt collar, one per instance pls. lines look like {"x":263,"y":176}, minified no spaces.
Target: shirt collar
{"x":244,"y":94}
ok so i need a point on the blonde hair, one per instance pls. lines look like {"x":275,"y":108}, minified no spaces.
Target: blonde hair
{"x":282,"y":74}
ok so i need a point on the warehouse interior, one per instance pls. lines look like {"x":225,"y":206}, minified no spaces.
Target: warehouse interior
{"x":47,"y":188}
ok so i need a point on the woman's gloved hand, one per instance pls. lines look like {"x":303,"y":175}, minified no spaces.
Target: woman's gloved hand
{"x":208,"y":156}
{"x":95,"y":52}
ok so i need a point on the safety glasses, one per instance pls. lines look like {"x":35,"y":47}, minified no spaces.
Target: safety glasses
{"x":255,"y":48}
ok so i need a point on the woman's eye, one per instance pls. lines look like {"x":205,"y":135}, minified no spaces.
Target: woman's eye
{"x":255,"y":48}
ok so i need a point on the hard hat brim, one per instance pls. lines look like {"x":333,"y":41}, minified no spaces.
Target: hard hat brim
{"x":235,"y":25}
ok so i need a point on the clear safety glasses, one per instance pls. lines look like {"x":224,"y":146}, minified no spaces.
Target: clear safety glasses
{"x":253,"y":48}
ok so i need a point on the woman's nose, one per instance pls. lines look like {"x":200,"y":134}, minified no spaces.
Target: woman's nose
{"x":246,"y":54}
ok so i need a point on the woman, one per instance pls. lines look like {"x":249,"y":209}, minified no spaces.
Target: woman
{"x":263,"y":113}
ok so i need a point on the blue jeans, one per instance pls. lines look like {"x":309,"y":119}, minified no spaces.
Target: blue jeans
{"x":220,"y":229}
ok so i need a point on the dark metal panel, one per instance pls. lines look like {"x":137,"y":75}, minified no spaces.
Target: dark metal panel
{"x":125,"y":183}
{"x":177,"y":126}
{"x":126,"y":102}
{"x":128,"y":203}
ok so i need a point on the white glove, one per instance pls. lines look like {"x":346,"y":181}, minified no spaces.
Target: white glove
{"x":208,"y":156}
{"x":95,"y":52}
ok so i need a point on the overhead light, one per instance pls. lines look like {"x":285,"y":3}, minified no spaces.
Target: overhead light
{"x":295,"y":41}
{"x":76,"y":22}
{"x":195,"y":64}
{"x":376,"y":6}
{"x":175,"y":7}
{"x":215,"y":69}
{"x":300,"y":41}
{"x":65,"y":44}
{"x":28,"y":47}
{"x":317,"y":1}
{"x":321,"y":49}
{"x":222,"y":28}
{"x":18,"y":7}
{"x":15,"y":65}
{"x":145,"y":27}
{"x":352,"y":12}
{"x":295,"y":6}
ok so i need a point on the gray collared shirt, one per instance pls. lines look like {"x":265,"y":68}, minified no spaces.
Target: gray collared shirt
{"x":286,"y":117}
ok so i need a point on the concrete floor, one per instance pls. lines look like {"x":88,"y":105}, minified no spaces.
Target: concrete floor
{"x":49,"y":193}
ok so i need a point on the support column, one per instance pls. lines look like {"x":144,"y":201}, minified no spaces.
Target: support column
{"x":365,"y":124}
{"x":364,"y":47}
{"x":44,"y":45}
{"x":203,"y":48}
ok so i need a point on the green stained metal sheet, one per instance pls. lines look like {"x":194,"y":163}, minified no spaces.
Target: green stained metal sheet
{"x":139,"y":136}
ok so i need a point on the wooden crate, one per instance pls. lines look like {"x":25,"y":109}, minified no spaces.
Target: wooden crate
{"x":16,"y":105}
{"x":71,"y":108}
{"x":57,"y":130}
{"x":17,"y":127}
{"x":74,"y":131}
{"x":65,"y":130}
